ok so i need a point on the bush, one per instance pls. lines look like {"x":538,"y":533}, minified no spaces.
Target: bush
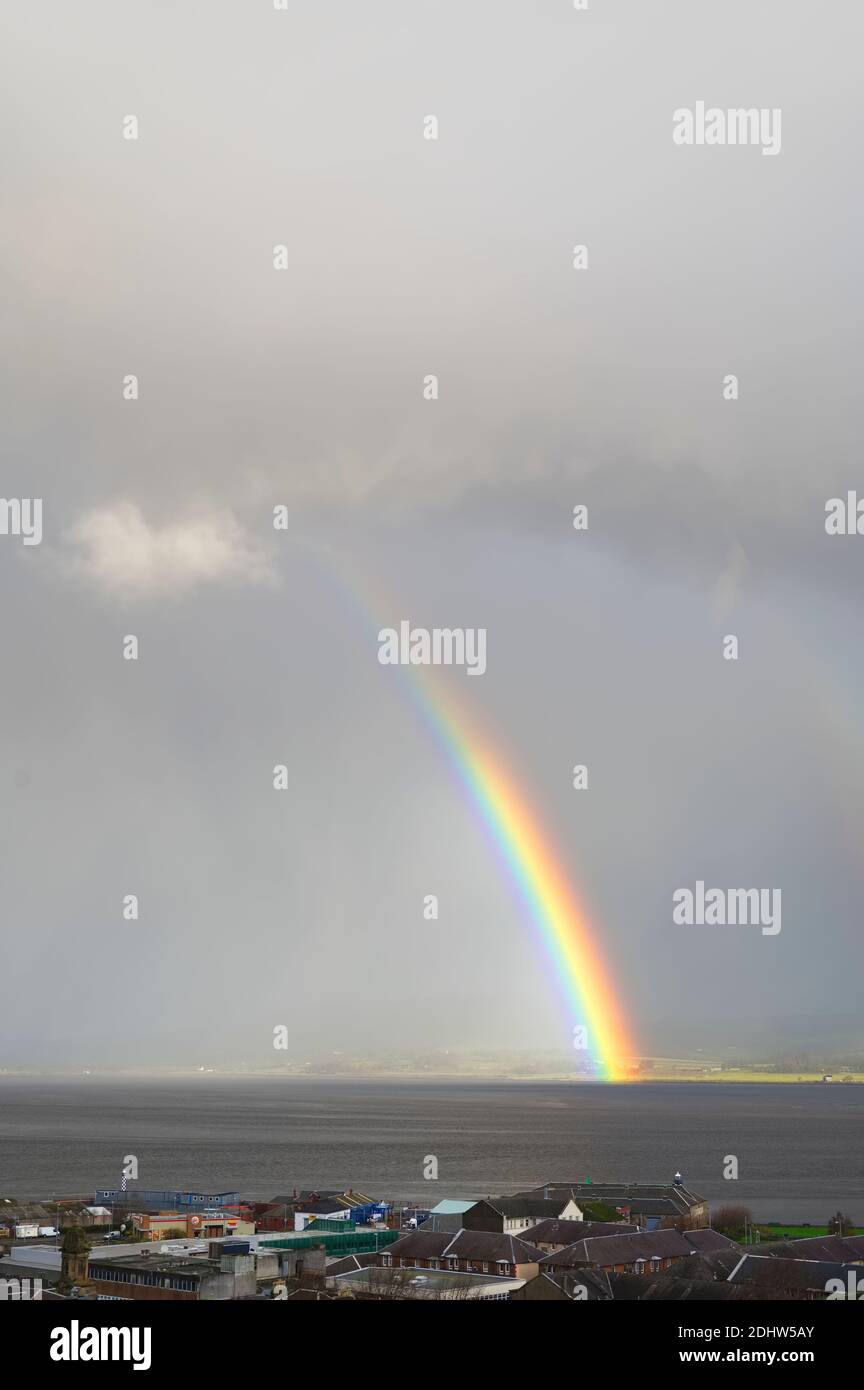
{"x":732,"y":1221}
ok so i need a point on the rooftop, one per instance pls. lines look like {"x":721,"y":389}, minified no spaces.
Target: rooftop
{"x":429,"y":1281}
{"x":558,"y":1232}
{"x":164,"y":1264}
{"x":635,"y":1195}
{"x":486,"y":1246}
{"x":773,"y":1273}
{"x":610,"y":1250}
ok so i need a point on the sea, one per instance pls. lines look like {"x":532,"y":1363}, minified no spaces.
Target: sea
{"x":798,"y":1149}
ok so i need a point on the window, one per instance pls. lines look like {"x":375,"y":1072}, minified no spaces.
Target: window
{"x":182,"y":1285}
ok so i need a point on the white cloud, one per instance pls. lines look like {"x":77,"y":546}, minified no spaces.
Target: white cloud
{"x":120,"y":551}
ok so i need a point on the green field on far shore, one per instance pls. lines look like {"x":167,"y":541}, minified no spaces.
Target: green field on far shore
{"x":847,"y":1078}
{"x":774,"y":1231}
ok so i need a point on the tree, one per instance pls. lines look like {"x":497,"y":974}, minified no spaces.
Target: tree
{"x":600,"y":1211}
{"x":732,"y":1221}
{"x":840,"y":1225}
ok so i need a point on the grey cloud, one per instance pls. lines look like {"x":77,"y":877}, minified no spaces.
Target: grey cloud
{"x":304,"y":388}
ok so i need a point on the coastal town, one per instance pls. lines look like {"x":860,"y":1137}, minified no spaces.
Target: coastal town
{"x":563,"y":1241}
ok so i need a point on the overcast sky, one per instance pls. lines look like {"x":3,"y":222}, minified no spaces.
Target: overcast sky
{"x":304,"y":387}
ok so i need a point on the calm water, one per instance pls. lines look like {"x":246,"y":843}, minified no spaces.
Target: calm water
{"x":800,"y":1149}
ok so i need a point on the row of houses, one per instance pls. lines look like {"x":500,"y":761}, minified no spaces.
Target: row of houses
{"x":623,"y":1251}
{"x":646,"y":1208}
{"x":626,"y":1265}
{"x":546,"y":1244}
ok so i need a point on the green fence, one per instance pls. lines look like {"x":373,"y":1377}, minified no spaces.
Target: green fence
{"x":351,"y":1243}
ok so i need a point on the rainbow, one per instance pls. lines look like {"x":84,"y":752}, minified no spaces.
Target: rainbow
{"x":525,"y":849}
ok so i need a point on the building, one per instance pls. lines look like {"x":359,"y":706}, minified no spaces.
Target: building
{"x":271,"y":1216}
{"x":707,"y":1242}
{"x":222,"y":1270}
{"x":75,"y":1251}
{"x":171,"y":1225}
{"x":639,"y":1252}
{"x":95,"y":1218}
{"x":673,"y":1288}
{"x":27,"y":1220}
{"x":466,"y":1252}
{"x":447,"y":1216}
{"x":174,"y":1278}
{"x":148,"y":1199}
{"x":352,"y":1264}
{"x":555,"y":1235}
{"x":709,"y":1265}
{"x":651,"y":1207}
{"x":514,"y":1215}
{"x":299,"y":1209}
{"x":776,"y":1277}
{"x":324,"y":1210}
{"x":566,"y":1286}
{"x":846,"y":1249}
{"x":353,"y":1240}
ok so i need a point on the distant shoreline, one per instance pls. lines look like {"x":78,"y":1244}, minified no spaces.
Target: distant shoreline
{"x":743,"y":1077}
